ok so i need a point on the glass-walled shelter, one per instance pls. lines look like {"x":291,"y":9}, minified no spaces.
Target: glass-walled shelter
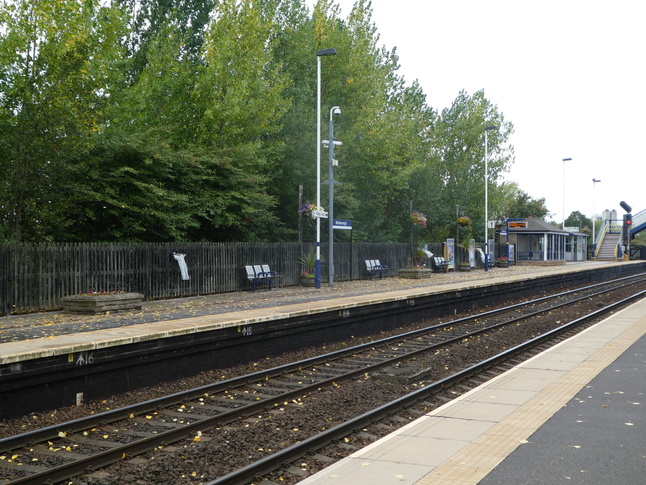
{"x":536,"y":240}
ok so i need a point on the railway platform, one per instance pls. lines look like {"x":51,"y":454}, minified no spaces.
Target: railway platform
{"x":573,"y":414}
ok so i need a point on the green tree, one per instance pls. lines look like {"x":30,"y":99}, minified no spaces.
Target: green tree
{"x":515,"y":203}
{"x":186,"y":153}
{"x":459,"y":149}
{"x":147,"y":19}
{"x":577,"y":219}
{"x":60,"y":62}
{"x":380,"y":123}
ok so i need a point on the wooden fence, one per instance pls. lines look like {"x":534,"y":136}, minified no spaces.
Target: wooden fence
{"x":34,"y":277}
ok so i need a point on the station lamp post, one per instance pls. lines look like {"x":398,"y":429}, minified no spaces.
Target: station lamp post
{"x":486,"y":217}
{"x":594,"y":233}
{"x":319,"y":54}
{"x":563,"y":199}
{"x":331,"y":143}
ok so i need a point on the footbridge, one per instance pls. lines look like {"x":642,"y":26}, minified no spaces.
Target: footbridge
{"x":639,"y":223}
{"x":610,"y":235}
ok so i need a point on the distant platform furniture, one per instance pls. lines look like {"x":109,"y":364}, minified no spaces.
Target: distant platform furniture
{"x":440,"y":265}
{"x":256,"y":275}
{"x":374,"y":267}
{"x":278,"y":278}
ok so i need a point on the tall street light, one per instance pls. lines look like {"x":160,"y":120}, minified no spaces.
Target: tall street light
{"x":331,"y":144}
{"x":594,"y":233}
{"x":319,"y":54}
{"x":486,"y":258}
{"x":564,"y":160}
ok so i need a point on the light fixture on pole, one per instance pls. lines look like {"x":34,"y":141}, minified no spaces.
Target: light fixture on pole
{"x":563,"y":199}
{"x":594,"y":234}
{"x":486,"y":217}
{"x":319,"y":54}
{"x":332,"y":142}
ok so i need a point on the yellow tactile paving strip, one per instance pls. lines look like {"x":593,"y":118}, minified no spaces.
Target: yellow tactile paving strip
{"x":476,"y":460}
{"x":464,"y":440}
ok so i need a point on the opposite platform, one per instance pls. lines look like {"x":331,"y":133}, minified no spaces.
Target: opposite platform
{"x":26,"y":337}
{"x":585,"y":397}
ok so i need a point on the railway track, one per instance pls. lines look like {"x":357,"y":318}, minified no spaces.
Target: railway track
{"x":57,"y":453}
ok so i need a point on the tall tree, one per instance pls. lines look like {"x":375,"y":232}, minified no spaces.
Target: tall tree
{"x":59,"y":62}
{"x":459,"y":144}
{"x":577,"y":219}
{"x":148,"y":18}
{"x":516,"y":203}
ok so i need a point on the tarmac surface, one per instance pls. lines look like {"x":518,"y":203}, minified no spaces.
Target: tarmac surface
{"x":597,"y":437}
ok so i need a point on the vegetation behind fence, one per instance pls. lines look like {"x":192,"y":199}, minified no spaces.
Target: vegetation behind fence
{"x":34,"y":277}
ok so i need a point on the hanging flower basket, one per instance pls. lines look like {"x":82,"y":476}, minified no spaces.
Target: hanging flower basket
{"x":418,"y":218}
{"x":464,"y":222}
{"x":307,"y":208}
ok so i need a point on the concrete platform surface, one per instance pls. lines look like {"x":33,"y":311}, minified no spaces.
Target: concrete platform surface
{"x":39,"y":335}
{"x":571,"y":415}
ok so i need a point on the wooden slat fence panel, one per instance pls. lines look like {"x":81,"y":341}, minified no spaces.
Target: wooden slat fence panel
{"x":34,"y":277}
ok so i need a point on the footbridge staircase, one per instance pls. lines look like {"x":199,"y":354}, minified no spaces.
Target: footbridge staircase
{"x":610,"y":236}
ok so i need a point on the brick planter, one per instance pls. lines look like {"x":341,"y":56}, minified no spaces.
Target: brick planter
{"x":415,"y":273}
{"x":102,"y":303}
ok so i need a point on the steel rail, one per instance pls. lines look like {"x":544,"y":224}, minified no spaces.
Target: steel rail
{"x":105,"y":458}
{"x":81,"y":424}
{"x":274,"y":461}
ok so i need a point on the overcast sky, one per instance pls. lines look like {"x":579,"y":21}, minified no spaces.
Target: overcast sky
{"x":569,"y":74}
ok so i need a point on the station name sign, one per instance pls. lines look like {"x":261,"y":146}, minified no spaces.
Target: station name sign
{"x":342,"y":224}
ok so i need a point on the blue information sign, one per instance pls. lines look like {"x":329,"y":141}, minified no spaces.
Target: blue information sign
{"x":342,"y":224}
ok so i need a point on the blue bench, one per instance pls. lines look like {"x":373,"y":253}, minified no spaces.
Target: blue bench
{"x":440,"y":264}
{"x":255,"y":275}
{"x":374,"y":267}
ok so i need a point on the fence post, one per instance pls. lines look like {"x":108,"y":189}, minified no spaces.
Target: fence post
{"x":5,"y":282}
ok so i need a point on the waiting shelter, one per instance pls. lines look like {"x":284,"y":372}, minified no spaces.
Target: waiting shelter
{"x":537,"y":241}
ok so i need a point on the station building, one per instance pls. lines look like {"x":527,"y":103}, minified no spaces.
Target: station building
{"x":533,"y":241}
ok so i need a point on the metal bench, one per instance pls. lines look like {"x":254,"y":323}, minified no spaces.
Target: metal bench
{"x":273,"y":274}
{"x":440,"y":264}
{"x":255,"y":275}
{"x":374,"y":267}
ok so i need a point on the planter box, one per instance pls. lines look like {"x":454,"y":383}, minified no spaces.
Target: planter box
{"x":415,"y":273}
{"x":308,"y":282}
{"x":102,"y":303}
{"x":502,"y":264}
{"x":464,"y":268}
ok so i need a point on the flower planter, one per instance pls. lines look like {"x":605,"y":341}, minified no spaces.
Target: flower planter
{"x":415,"y":273}
{"x":308,"y":282}
{"x":502,"y":264}
{"x":464,"y":268}
{"x":102,"y":303}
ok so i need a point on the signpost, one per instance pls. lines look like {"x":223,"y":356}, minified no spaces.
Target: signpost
{"x":342,"y":224}
{"x":318,"y":214}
